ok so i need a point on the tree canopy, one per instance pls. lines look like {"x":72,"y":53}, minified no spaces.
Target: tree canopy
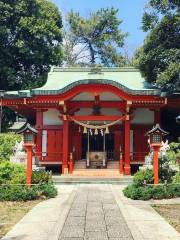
{"x":96,"y":39}
{"x":30,"y":41}
{"x":159,"y":57}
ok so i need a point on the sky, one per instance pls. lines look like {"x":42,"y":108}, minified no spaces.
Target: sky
{"x":130,"y":12}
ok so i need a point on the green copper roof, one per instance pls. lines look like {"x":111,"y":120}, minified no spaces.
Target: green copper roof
{"x":62,"y":79}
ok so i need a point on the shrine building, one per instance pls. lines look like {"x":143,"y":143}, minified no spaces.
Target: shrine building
{"x":92,"y":118}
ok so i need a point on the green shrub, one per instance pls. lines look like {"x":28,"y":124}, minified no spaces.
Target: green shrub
{"x":48,"y":190}
{"x":142,"y":175}
{"x":12,"y":173}
{"x":18,"y":193}
{"x":156,"y":192}
{"x":23,"y":193}
{"x":138,"y":193}
{"x":7,"y":142}
{"x":165,"y":171}
{"x":159,"y":192}
{"x":176,"y":178}
{"x":41,"y":176}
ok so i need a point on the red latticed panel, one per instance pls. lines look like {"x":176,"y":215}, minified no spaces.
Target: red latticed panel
{"x":54,"y":146}
{"x":140,"y":148}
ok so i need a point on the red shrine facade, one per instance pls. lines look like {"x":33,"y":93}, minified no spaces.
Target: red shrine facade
{"x":97,"y":116}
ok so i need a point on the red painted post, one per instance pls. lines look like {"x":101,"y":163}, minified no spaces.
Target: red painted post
{"x":71,"y":163}
{"x":65,"y":146}
{"x":156,"y":164}
{"x":127,"y":167}
{"x":121,"y":164}
{"x":39,"y":126}
{"x":29,"y":165}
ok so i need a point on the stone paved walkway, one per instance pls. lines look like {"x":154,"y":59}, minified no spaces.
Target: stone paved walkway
{"x":93,"y":211}
{"x":95,"y":215}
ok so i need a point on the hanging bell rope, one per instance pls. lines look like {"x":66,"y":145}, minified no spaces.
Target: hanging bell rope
{"x":90,"y":126}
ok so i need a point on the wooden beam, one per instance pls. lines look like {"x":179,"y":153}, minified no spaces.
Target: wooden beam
{"x":90,"y":104}
{"x":96,"y":118}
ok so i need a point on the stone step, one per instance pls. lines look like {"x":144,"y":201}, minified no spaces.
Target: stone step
{"x":120,"y":180}
{"x":96,"y":172}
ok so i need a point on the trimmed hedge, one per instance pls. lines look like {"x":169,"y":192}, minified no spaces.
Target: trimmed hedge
{"x":155,"y":192}
{"x":13,"y":173}
{"x":23,"y":193}
{"x":139,"y":191}
{"x":13,"y":179}
{"x":142,"y":175}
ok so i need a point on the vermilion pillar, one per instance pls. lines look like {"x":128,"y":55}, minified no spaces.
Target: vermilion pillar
{"x":29,"y":165}
{"x":65,"y":146}
{"x":127,"y":167}
{"x":39,"y":125}
{"x":156,"y":164}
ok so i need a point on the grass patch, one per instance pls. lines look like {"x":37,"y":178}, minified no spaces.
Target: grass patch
{"x":171,"y":212}
{"x":12,"y":212}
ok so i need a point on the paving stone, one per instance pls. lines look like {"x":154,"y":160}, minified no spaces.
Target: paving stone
{"x":121,"y":238}
{"x":113,"y":221}
{"x":71,"y":238}
{"x":95,"y":215}
{"x":95,"y":226}
{"x":110,"y":207}
{"x":119,"y":232}
{"x":75,"y":221}
{"x":72,"y":232}
{"x":96,"y":235}
{"x":113,"y":213}
{"x":76,"y":213}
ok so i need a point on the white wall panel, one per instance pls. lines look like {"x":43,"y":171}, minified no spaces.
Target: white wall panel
{"x":51,"y":117}
{"x":143,"y":116}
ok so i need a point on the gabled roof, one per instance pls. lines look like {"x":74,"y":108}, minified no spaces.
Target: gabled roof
{"x":61,"y":80}
{"x":27,"y":127}
{"x":155,"y":129}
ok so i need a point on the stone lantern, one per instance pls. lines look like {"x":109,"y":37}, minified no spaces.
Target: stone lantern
{"x":29,"y":135}
{"x":155,"y":135}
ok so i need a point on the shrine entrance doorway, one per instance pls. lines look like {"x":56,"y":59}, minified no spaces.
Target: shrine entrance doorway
{"x":98,"y":143}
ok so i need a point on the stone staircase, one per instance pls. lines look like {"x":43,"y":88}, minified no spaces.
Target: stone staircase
{"x":81,"y":170}
{"x":83,"y":175}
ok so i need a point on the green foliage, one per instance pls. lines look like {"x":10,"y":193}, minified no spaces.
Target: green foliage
{"x":142,"y":175}
{"x":41,"y":177}
{"x":30,"y":33}
{"x":13,"y":179}
{"x":156,"y":192}
{"x":165,"y":171}
{"x":158,"y":59}
{"x":98,"y":37}
{"x":12,"y":173}
{"x":138,"y":193}
{"x":48,"y":190}
{"x":23,"y":193}
{"x":7,"y":142}
{"x":176,"y":178}
{"x":173,"y":154}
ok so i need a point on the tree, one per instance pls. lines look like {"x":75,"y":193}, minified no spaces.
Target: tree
{"x":159,"y":57}
{"x":30,"y":41}
{"x":94,"y":40}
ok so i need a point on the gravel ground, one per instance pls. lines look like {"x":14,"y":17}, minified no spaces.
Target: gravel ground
{"x":171,"y":213}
